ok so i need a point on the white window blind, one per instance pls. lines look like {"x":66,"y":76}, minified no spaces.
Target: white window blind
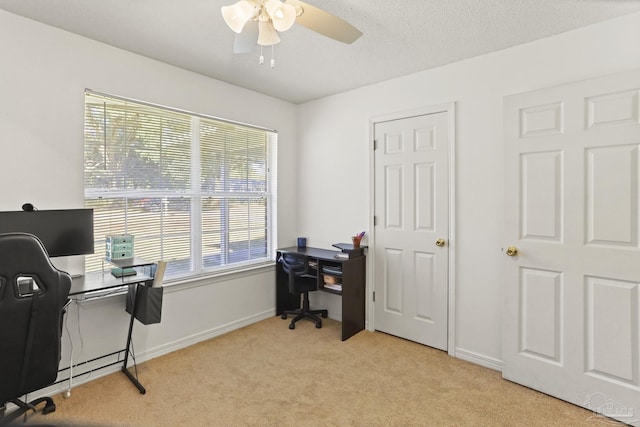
{"x":194,"y":191}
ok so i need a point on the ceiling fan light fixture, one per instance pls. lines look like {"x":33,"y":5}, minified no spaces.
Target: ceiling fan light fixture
{"x":260,"y":21}
{"x":237,"y":15}
{"x":282,"y":15}
{"x":267,"y":34}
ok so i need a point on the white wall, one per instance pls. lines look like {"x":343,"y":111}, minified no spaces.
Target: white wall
{"x":43,"y":75}
{"x":334,"y":191}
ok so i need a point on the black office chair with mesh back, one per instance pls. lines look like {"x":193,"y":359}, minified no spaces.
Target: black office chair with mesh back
{"x":33,"y":297}
{"x":300,"y":282}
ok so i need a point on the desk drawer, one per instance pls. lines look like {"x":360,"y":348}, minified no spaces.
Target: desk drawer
{"x":119,"y":239}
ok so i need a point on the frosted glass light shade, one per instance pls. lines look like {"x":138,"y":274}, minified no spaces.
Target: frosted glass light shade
{"x":237,"y":15}
{"x":267,"y":35}
{"x":283,"y":15}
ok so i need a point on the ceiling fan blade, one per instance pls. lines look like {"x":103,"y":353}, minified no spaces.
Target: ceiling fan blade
{"x":247,"y":39}
{"x":325,"y":23}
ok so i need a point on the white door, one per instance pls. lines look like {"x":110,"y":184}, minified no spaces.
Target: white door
{"x":572,"y":312}
{"x":411,"y":214}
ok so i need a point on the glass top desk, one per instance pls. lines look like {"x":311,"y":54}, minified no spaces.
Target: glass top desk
{"x":98,"y":284}
{"x":102,"y":281}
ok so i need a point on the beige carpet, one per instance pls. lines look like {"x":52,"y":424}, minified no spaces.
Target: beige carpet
{"x":268,"y":375}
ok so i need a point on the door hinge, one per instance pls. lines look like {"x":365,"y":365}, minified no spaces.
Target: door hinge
{"x":375,"y":145}
{"x":374,"y":296}
{"x":375,"y":220}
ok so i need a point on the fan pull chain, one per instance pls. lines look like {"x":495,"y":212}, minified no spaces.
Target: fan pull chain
{"x":273,"y":61}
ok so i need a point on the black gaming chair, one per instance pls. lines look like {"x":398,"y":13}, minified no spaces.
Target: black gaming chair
{"x":33,"y":297}
{"x":300,"y":282}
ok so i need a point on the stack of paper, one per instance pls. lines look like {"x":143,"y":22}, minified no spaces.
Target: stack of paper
{"x":334,"y":286}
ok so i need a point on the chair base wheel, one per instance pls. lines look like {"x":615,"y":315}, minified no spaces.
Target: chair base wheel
{"x":283,"y":316}
{"x":49,"y":408}
{"x":292,"y":325}
{"x":319,"y":325}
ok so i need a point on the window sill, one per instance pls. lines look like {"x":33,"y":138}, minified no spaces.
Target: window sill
{"x":205,"y":279}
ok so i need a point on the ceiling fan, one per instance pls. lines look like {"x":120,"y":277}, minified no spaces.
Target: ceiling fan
{"x":259,"y":21}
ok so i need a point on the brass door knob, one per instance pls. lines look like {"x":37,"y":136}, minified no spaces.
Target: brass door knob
{"x":440,"y":242}
{"x":512,"y":251}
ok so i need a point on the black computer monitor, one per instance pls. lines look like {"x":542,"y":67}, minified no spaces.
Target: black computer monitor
{"x":63,"y":232}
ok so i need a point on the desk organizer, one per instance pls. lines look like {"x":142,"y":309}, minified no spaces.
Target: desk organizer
{"x":349,"y":250}
{"x":149,"y":310}
{"x":119,"y":247}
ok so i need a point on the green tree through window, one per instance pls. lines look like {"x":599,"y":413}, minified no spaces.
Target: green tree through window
{"x":193,"y":190}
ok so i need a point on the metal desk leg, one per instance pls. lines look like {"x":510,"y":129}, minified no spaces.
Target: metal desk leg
{"x":134,"y":379}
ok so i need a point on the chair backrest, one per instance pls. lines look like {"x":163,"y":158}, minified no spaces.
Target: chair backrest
{"x":295,"y":265}
{"x":33,"y":295}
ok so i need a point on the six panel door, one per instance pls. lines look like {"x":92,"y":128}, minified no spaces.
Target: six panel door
{"x":571,"y":317}
{"x":411,"y":208}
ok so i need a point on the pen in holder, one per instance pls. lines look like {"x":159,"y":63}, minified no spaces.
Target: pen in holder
{"x":356,"y":239}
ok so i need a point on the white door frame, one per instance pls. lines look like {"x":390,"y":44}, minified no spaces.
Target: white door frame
{"x":450,"y":109}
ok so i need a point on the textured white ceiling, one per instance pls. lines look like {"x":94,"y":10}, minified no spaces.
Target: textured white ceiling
{"x":400,"y":36}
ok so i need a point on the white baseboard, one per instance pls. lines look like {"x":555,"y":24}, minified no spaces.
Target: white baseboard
{"x":150,"y":354}
{"x":479,"y":359}
{"x":202,"y":336}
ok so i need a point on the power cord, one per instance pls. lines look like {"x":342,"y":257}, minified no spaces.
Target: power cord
{"x":67,"y":393}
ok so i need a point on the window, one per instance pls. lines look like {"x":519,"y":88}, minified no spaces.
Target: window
{"x":193,"y":190}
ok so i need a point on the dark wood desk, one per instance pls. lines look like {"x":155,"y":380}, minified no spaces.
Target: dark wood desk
{"x":352,"y":279}
{"x":82,"y":287}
